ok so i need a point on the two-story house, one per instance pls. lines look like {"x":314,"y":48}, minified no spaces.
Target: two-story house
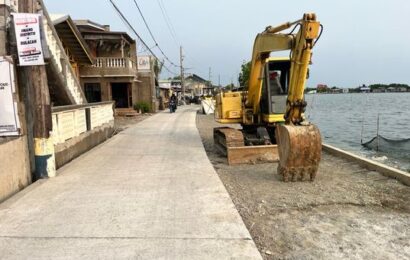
{"x":114,"y":74}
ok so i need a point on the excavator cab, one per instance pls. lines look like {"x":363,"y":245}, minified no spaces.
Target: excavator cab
{"x":275,"y":89}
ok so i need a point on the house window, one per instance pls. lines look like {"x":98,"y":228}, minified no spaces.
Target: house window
{"x":92,"y":92}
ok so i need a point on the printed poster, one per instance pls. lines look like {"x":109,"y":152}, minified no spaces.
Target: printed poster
{"x":9,"y":121}
{"x":28,"y":38}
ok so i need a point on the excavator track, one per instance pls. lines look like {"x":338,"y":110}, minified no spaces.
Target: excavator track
{"x":231,"y":143}
{"x":300,"y":149}
{"x":225,"y":137}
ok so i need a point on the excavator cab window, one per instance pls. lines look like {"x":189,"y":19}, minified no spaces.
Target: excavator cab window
{"x":275,"y":86}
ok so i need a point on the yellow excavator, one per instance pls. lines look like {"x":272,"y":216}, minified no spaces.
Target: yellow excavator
{"x":271,"y":110}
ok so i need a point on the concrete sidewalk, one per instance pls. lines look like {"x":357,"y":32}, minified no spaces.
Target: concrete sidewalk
{"x":150,"y":192}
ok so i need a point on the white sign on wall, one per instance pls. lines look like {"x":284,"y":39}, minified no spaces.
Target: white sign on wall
{"x":27,"y":27}
{"x":144,"y":63}
{"x":9,"y":121}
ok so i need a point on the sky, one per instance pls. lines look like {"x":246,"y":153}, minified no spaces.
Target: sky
{"x":364,"y":42}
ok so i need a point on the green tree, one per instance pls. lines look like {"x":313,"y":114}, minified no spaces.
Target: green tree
{"x":177,"y":77}
{"x":229,"y":86}
{"x":244,"y":74}
{"x":157,"y":67}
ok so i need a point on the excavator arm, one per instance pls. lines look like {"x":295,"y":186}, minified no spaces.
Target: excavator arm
{"x":300,"y":45}
{"x":301,"y":54}
{"x":299,"y":142}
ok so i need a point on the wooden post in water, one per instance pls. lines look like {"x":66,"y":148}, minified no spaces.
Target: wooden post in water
{"x":377,"y":133}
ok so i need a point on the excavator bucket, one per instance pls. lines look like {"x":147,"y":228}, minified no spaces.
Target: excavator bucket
{"x":300,"y":150}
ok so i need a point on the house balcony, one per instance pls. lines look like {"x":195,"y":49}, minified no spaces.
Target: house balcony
{"x":110,"y":67}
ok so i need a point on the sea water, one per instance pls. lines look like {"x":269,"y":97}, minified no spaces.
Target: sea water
{"x":347,"y":120}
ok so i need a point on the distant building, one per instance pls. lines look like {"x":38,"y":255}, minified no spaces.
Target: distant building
{"x":322,"y":88}
{"x":196,"y":86}
{"x":166,"y":89}
{"x":364,"y":89}
{"x":335,"y":90}
{"x":392,"y":89}
{"x":379,"y":90}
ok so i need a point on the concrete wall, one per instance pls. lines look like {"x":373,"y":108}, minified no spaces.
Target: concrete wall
{"x":146,"y":89}
{"x":74,"y":147}
{"x":15,"y":172}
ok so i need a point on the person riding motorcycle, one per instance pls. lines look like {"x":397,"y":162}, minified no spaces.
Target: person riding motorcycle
{"x":172,"y":103}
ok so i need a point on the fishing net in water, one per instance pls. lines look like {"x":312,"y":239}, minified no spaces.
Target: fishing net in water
{"x":379,"y":143}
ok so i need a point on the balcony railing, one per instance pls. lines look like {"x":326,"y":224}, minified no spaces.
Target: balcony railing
{"x":114,"y":63}
{"x":110,"y":67}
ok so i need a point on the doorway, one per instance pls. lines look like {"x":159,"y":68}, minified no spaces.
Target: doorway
{"x":92,"y":92}
{"x":121,"y":94}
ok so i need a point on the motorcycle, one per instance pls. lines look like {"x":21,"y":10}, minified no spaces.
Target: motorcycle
{"x":172,"y":106}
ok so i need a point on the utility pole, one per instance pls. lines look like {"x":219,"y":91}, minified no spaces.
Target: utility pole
{"x":34,"y":80}
{"x":219,"y":80}
{"x":4,"y":16}
{"x":8,"y":47}
{"x":210,"y":76}
{"x":237,"y":78}
{"x":181,"y":60}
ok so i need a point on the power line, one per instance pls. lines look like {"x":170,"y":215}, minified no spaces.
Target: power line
{"x":172,"y":32}
{"x":194,"y":61}
{"x":128,"y":24}
{"x":152,"y":35}
{"x":170,"y":28}
{"x":168,"y":21}
{"x":124,"y":19}
{"x":146,"y":49}
{"x":167,"y":69}
{"x":146,"y":24}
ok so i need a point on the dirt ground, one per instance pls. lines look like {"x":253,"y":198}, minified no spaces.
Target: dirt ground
{"x":348,"y":212}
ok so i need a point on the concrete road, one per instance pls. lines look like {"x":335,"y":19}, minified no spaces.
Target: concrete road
{"x":150,"y":192}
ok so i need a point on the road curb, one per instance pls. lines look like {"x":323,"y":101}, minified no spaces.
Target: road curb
{"x":369,"y":164}
{"x":6,"y":203}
